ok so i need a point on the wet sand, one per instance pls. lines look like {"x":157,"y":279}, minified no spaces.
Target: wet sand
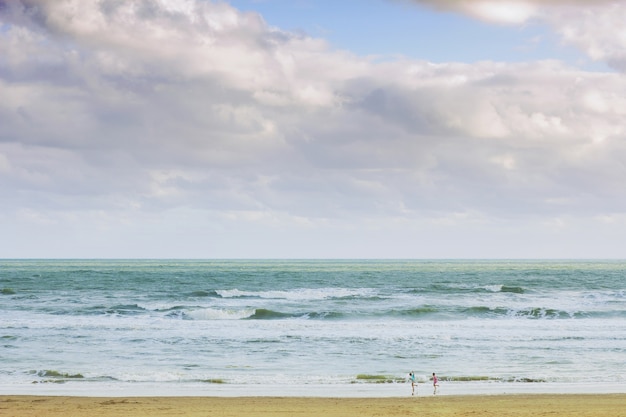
{"x":609,"y":405}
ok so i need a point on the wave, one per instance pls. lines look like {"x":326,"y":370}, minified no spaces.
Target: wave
{"x":213,"y":381}
{"x":538,"y":313}
{"x":102,"y":310}
{"x":426,"y":312}
{"x":52,"y":376}
{"x":377,"y":379}
{"x":445,"y":312}
{"x":56,"y":374}
{"x":302,"y":294}
{"x":265,"y":314}
{"x":382,"y":379}
{"x":59,"y":377}
{"x":515,"y":290}
{"x":341,"y":309}
{"x":202,"y":294}
{"x":255,"y":314}
{"x":125,"y":309}
{"x":504,"y":288}
{"x":448,"y":312}
{"x":219,"y":314}
{"x":324,"y":315}
{"x":414,"y":312}
{"x":481,"y":378}
{"x":460,"y":288}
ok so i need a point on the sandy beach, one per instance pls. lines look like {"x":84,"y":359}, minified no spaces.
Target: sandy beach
{"x":610,"y":405}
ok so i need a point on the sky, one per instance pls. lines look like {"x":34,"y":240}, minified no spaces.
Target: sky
{"x":312,"y":129}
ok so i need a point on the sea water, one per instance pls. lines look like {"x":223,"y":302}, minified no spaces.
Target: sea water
{"x":310,"y":327}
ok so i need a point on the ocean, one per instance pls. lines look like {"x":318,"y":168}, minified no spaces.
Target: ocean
{"x":311,"y":327}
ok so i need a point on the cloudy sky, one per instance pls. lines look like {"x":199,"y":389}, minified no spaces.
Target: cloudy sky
{"x":312,"y":129}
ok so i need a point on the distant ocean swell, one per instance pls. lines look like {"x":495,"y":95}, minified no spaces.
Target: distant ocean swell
{"x":366,"y":303}
{"x":333,"y":293}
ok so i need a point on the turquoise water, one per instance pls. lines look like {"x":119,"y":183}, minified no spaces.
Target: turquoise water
{"x":217,"y":326}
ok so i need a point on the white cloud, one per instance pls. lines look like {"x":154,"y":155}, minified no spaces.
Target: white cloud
{"x":598,"y":31}
{"x":594,"y":26}
{"x":509,"y":11}
{"x":124,"y":110}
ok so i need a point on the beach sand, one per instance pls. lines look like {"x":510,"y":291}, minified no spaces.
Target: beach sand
{"x":610,"y":405}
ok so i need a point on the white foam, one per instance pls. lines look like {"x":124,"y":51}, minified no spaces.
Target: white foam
{"x":300,"y":294}
{"x":221,"y":314}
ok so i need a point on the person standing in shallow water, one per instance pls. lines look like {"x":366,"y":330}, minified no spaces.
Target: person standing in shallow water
{"x":435,"y":384}
{"x":413,"y":382}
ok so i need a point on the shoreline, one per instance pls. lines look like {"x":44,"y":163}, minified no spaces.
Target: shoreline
{"x":520,"y":405}
{"x":359,"y":390}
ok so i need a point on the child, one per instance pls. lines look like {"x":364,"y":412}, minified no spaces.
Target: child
{"x":435,"y":383}
{"x":413,"y":382}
